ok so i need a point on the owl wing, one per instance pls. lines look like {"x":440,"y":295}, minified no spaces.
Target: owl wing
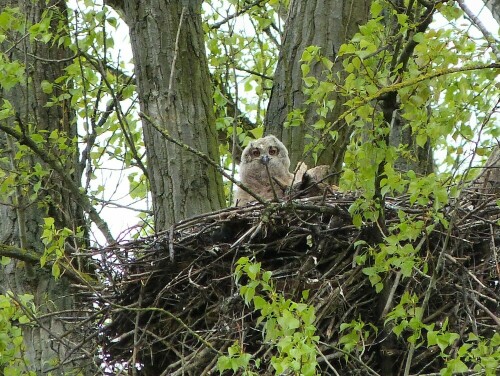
{"x":300,"y":170}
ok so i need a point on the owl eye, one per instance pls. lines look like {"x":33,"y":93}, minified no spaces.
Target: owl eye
{"x":255,"y":153}
{"x":273,"y":151}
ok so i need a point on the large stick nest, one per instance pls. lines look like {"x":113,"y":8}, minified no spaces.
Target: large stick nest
{"x":173,"y":305}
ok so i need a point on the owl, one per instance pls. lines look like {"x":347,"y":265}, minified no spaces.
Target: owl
{"x":267,"y":154}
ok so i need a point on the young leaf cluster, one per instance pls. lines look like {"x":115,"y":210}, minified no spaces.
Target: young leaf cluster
{"x":12,"y":317}
{"x":287,"y":326}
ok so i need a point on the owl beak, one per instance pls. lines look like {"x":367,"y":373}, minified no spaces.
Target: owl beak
{"x":265,"y":159}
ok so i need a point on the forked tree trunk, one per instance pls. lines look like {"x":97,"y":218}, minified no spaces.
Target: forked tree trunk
{"x":175,"y":93}
{"x":327,"y":24}
{"x":22,"y":210}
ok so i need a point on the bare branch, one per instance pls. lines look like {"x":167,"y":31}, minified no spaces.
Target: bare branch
{"x":492,"y":42}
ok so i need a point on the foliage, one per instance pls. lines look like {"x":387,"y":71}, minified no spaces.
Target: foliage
{"x":355,"y":336}
{"x":287,"y":326}
{"x":461,"y":103}
{"x":452,"y":112}
{"x":242,"y":54}
{"x":100,"y":91}
{"x":444,"y":94}
{"x":55,"y":241}
{"x":482,"y":352}
{"x":12,"y":318}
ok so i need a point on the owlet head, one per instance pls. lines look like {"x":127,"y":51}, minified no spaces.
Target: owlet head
{"x":267,"y":151}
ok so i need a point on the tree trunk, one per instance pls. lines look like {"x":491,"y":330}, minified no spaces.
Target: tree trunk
{"x":493,"y":163}
{"x":487,"y":185}
{"x":488,"y":182}
{"x":494,"y":7}
{"x":175,"y":93}
{"x":22,"y":208}
{"x":327,"y":24}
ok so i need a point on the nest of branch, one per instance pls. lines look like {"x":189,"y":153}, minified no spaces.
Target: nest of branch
{"x":173,"y":305}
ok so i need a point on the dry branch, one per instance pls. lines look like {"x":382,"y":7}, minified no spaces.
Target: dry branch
{"x":176,"y":315}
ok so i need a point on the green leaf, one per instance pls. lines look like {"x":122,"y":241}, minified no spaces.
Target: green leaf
{"x":259,"y":302}
{"x":419,"y":38}
{"x":253,"y":270}
{"x":47,"y":87}
{"x":266,"y":276}
{"x":305,"y":68}
{"x":48,"y":221}
{"x":223,"y":363}
{"x":24,"y":319}
{"x":457,"y":366}
{"x":357,"y":220}
{"x":376,"y":8}
{"x":432,"y":338}
{"x":288,"y":321}
{"x":305,"y":295}
{"x":347,"y":49}
{"x":56,"y":270}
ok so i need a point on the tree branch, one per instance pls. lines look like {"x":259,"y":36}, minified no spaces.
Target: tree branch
{"x":31,"y":257}
{"x":20,"y":254}
{"x":410,"y":82}
{"x":492,"y":42}
{"x":53,"y":163}
{"x":237,"y":13}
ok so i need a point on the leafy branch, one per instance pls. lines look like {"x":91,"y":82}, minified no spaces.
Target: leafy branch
{"x":357,"y":103}
{"x":287,"y":326}
{"x":62,"y":172}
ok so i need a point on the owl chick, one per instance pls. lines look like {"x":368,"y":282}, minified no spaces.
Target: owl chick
{"x":267,"y":154}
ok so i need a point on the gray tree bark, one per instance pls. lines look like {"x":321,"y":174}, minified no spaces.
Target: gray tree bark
{"x":175,"y":93}
{"x":22,"y":211}
{"x":487,"y":184}
{"x":489,"y":180}
{"x":494,"y":7}
{"x":323,"y":23}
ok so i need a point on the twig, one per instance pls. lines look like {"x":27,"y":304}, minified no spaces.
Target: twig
{"x":174,"y":59}
{"x":171,"y":251}
{"x":493,"y":247}
{"x":39,"y":323}
{"x":492,"y":42}
{"x":251,"y":231}
{"x":452,"y":259}
{"x":118,"y":111}
{"x":236,"y":14}
{"x":428,"y":292}
{"x":485,"y":309}
{"x":61,"y":171}
{"x":326,"y":361}
{"x":388,"y":303}
{"x":136,"y":333}
{"x":271,"y":183}
{"x":171,"y":315}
